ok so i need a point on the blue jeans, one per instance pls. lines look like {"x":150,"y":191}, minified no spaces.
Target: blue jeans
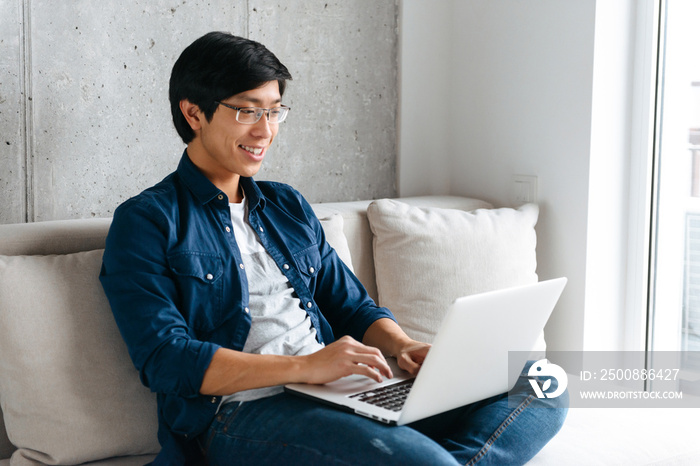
{"x":286,"y":430}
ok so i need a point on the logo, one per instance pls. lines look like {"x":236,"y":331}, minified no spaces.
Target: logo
{"x":544,"y":368}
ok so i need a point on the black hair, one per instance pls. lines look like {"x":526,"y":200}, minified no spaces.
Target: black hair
{"x":215,"y":67}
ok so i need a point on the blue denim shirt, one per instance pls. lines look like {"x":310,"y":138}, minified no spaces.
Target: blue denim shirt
{"x":174,"y":277}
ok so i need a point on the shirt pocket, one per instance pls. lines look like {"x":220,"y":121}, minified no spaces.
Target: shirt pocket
{"x":199,"y":277}
{"x":308,"y":262}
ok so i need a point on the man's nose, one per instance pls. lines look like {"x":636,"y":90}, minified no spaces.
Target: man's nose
{"x":262,"y":126}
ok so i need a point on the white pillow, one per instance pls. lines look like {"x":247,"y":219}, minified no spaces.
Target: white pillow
{"x":68,"y":390}
{"x":333,"y":229}
{"x":425,"y":258}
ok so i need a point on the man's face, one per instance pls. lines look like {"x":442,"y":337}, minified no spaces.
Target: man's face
{"x":224,"y":147}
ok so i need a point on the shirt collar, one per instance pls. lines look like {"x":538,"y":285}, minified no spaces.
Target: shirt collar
{"x":205,"y":191}
{"x":253,"y":193}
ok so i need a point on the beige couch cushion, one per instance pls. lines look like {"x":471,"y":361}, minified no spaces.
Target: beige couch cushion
{"x":358,"y":235}
{"x":427,"y":257}
{"x":333,"y":229}
{"x":68,"y":390}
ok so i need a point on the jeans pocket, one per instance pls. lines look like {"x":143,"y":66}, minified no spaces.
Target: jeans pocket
{"x":221,"y":424}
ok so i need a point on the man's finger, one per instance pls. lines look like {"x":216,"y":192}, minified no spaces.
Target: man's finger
{"x":376,"y":363}
{"x":372,"y":373}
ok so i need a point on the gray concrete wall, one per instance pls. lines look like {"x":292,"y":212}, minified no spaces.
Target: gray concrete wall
{"x":84,"y":115}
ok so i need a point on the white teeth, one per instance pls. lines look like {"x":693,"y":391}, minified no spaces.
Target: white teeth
{"x":253,"y":150}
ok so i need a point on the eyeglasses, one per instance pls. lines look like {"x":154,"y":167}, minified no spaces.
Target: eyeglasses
{"x":251,"y":115}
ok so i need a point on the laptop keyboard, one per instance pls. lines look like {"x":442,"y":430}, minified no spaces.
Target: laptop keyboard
{"x":391,"y":397}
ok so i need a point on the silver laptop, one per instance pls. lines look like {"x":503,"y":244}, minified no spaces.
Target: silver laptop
{"x":468,"y":361}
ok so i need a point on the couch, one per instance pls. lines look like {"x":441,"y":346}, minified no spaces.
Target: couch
{"x":69,"y":394}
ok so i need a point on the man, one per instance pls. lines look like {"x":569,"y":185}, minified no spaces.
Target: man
{"x":225,"y":289}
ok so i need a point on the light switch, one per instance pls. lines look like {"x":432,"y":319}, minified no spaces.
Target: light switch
{"x":524,"y":189}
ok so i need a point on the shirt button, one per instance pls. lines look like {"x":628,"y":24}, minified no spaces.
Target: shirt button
{"x":213,"y":400}
{"x":220,"y":197}
{"x":311,"y":270}
{"x":285,"y":266}
{"x":228,"y":230}
{"x":261,"y":229}
{"x":241,"y":266}
{"x":210,"y":276}
{"x":309,"y":305}
{"x":247,"y":311}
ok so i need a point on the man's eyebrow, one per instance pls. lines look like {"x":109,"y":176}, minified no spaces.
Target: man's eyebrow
{"x":257,"y":102}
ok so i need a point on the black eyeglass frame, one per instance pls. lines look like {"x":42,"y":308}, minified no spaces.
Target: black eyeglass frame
{"x":259,"y":111}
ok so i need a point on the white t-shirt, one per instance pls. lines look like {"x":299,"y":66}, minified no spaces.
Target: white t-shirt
{"x":280,"y":325}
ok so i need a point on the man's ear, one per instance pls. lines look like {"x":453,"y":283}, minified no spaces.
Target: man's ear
{"x":192,"y":113}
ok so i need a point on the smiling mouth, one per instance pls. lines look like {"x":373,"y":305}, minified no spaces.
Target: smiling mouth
{"x":253,"y":150}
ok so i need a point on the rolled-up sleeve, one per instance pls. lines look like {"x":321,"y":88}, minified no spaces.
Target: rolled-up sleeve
{"x":143,"y":296}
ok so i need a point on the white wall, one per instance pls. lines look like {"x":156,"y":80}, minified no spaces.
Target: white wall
{"x":609,"y":167}
{"x":543,"y":90}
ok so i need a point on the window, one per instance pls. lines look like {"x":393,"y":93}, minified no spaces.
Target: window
{"x":674,"y":280}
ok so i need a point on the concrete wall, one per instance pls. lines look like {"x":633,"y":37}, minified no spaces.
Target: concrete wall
{"x":12,"y":173}
{"x":84,"y":115}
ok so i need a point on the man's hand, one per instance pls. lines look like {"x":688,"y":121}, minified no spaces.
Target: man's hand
{"x":344,"y":357}
{"x":233,"y":371}
{"x":386,"y":335}
{"x":411,"y":357}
